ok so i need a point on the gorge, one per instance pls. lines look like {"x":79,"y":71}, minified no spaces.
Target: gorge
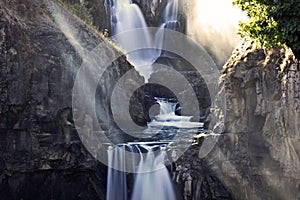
{"x":43,"y":155}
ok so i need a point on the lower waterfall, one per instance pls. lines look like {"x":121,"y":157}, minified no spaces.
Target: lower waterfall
{"x":151,"y":179}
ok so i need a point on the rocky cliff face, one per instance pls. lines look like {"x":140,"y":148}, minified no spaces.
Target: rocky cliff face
{"x":258,"y":155}
{"x":41,"y":155}
{"x":262,"y":122}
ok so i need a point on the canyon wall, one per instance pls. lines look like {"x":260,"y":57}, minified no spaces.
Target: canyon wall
{"x":41,"y":155}
{"x":257,"y":157}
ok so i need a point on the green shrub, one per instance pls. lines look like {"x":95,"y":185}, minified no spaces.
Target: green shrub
{"x":79,"y":10}
{"x":271,"y":23}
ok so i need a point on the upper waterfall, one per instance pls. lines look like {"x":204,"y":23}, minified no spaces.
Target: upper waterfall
{"x":127,"y":16}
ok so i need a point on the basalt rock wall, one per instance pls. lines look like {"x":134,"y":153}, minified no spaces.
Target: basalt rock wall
{"x":41,"y":156}
{"x":257,"y":157}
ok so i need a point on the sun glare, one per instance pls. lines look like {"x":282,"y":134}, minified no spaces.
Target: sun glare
{"x":218,"y":14}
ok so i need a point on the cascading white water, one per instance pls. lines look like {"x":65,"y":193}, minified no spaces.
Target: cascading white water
{"x":171,"y":11}
{"x":166,"y":107}
{"x":127,"y":16}
{"x":116,"y":180}
{"x":156,"y":183}
{"x":151,"y":180}
{"x":170,"y":15}
{"x":168,"y":118}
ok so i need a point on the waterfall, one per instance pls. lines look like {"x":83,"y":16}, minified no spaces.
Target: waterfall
{"x":126,"y":16}
{"x":170,"y":15}
{"x":168,"y":118}
{"x":171,"y":11}
{"x":151,"y":179}
{"x":115,"y":178}
{"x":166,"y":107}
{"x":155,"y":182}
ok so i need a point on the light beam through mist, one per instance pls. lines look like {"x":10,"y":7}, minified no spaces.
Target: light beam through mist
{"x":214,"y":25}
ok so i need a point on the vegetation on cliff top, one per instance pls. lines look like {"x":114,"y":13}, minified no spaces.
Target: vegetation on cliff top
{"x":272,"y":23}
{"x":79,"y":10}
